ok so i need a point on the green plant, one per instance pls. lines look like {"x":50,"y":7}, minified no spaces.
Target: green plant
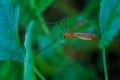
{"x":52,"y":56}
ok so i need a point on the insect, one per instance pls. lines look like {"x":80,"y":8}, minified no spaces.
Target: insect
{"x":69,"y":34}
{"x":80,"y":35}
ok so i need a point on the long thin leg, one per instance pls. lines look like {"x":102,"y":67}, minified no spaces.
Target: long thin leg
{"x":65,"y":27}
{"x":72,"y":43}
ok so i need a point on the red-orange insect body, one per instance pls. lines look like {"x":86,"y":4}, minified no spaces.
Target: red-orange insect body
{"x":68,"y":34}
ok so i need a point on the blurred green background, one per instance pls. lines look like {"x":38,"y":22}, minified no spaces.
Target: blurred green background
{"x":58,"y":58}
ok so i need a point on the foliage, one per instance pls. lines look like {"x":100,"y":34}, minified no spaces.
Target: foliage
{"x":10,"y":44}
{"x":109,"y":21}
{"x":46,"y":53}
{"x":28,"y":63}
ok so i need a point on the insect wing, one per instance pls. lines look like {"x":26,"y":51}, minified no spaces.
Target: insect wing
{"x":85,"y":36}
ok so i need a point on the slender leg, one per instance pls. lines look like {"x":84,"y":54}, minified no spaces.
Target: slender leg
{"x":72,"y":43}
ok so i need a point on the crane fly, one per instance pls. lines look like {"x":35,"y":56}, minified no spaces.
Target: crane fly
{"x":80,"y":35}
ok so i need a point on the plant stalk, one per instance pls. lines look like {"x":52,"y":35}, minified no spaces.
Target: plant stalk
{"x":105,"y":64}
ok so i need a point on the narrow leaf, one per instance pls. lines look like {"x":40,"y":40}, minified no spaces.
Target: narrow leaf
{"x":29,"y":73}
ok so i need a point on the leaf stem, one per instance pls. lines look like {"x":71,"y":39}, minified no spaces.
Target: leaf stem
{"x":39,"y":74}
{"x":43,"y":25}
{"x":105,"y":64}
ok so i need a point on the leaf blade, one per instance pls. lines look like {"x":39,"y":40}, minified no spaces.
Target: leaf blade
{"x":29,"y":73}
{"x":9,"y":32}
{"x":109,"y":21}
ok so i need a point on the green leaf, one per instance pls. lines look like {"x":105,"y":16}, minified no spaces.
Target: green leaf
{"x":10,"y":47}
{"x":29,"y":73}
{"x":109,"y":21}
